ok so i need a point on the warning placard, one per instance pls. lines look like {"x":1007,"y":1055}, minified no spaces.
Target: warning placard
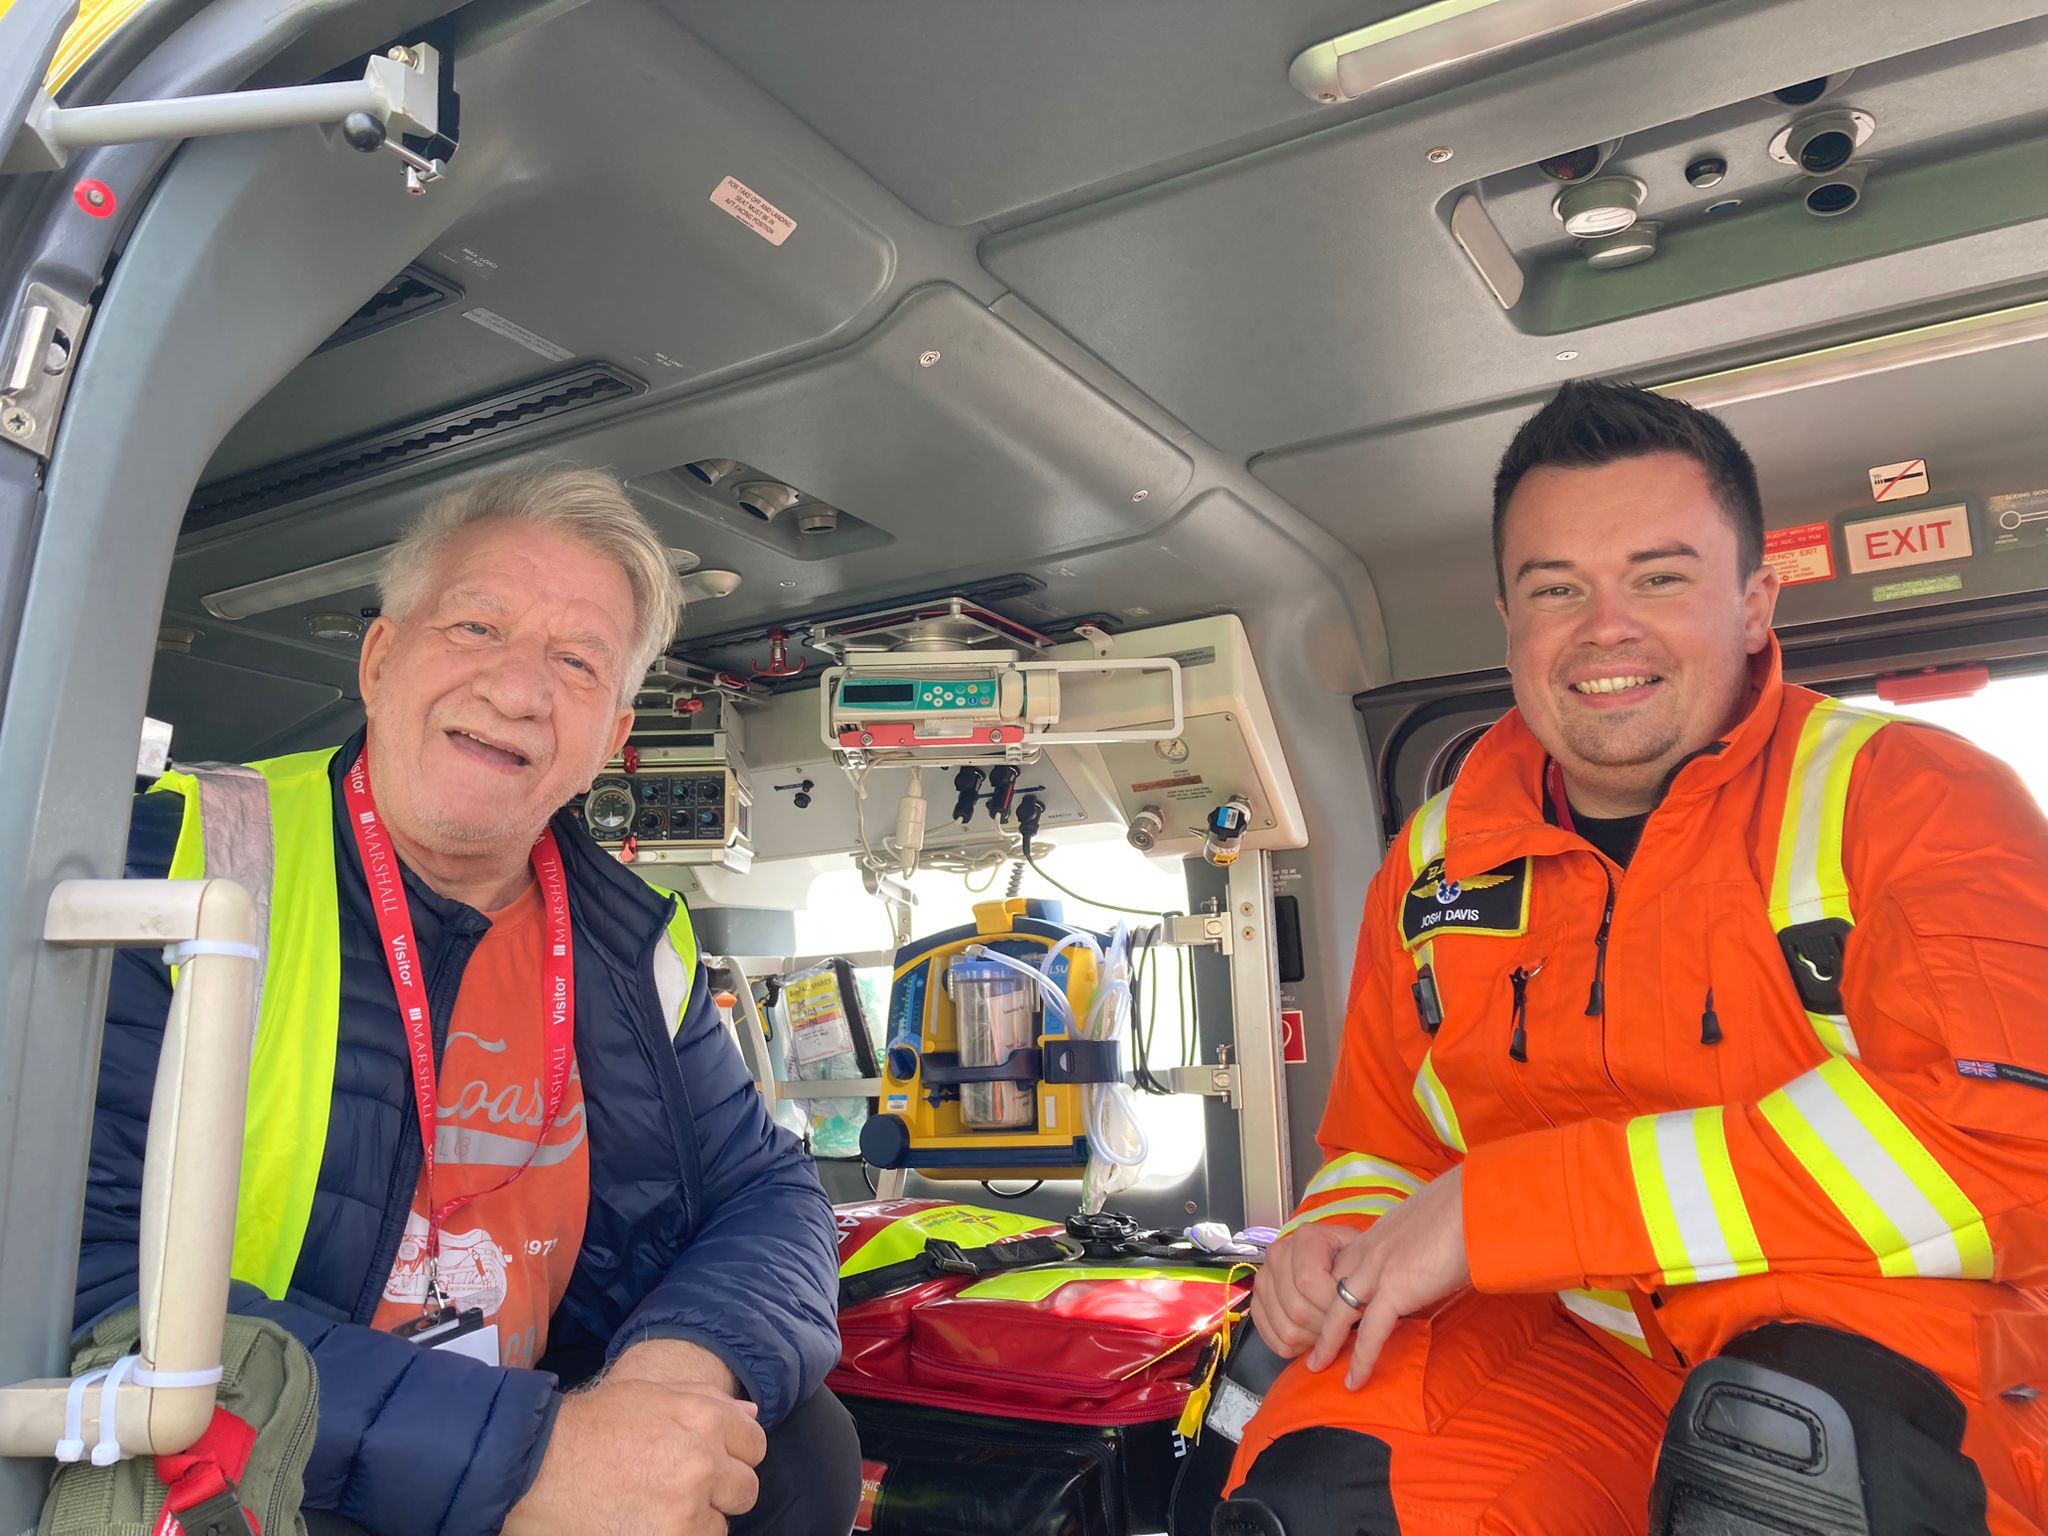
{"x":753,"y":210}
{"x":1908,"y":538}
{"x":1293,"y":1037}
{"x":1805,"y":553}
{"x":2018,"y":519}
{"x":1899,"y":482}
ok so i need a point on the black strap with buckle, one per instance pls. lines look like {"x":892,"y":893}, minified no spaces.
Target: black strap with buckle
{"x":220,"y":1515}
{"x":941,"y":1257}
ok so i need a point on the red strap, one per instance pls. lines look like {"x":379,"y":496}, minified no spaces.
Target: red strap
{"x":402,"y":955}
{"x":211,"y":1466}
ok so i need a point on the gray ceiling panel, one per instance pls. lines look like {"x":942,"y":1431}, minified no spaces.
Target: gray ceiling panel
{"x":994,"y":458}
{"x":969,"y":109}
{"x":1313,"y":290}
{"x":602,"y":138}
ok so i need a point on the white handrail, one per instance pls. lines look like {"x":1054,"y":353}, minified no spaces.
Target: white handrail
{"x":191,"y":1170}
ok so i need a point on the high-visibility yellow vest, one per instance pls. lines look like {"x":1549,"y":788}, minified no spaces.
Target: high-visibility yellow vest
{"x":270,"y":825}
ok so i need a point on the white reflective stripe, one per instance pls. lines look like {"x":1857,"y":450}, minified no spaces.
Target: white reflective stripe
{"x":1357,"y":1171}
{"x":1692,"y":1205}
{"x":1809,"y":882}
{"x":1835,"y":1033}
{"x":1608,"y":1311}
{"x":671,"y":982}
{"x":1428,"y":838}
{"x":234,"y":815}
{"x":1435,"y":1101}
{"x":1930,"y":1246}
{"x":1364,"y":1205}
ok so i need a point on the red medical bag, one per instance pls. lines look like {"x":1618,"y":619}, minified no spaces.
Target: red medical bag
{"x":994,"y":1373}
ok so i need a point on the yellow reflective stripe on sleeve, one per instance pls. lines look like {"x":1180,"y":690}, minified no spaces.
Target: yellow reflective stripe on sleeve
{"x":1355,"y":1170}
{"x":1435,"y":1102}
{"x":1364,"y":1205}
{"x":1912,"y":1216}
{"x":1808,"y":879}
{"x":1610,"y":1312}
{"x":1685,"y":1182}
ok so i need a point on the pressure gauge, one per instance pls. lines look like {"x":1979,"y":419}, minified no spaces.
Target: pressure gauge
{"x":609,"y":808}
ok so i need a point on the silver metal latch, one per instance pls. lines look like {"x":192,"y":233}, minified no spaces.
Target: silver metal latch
{"x":38,"y":367}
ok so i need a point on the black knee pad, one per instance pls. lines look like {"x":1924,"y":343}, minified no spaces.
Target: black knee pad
{"x":1314,"y":1482}
{"x":1797,"y":1430}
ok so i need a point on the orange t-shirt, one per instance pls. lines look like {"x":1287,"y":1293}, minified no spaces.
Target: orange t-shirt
{"x":510,"y":1252}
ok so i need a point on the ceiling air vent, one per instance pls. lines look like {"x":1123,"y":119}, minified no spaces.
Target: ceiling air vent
{"x":409,"y":444}
{"x":412,"y":293}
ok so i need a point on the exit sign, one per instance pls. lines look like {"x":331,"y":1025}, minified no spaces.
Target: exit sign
{"x":1908,"y":538}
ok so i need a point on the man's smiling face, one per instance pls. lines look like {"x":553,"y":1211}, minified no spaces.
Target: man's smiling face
{"x":1629,"y":621}
{"x":497,"y":699}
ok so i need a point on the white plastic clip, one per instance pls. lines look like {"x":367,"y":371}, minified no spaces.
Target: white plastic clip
{"x":190,"y":949}
{"x":172,"y":1380}
{"x":72,"y":1446}
{"x":109,"y":1451}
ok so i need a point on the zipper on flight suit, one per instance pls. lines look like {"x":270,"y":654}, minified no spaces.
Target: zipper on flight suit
{"x":1519,"y":979}
{"x":1596,"y":999}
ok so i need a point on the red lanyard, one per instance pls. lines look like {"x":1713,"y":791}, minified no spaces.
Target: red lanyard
{"x":401,"y":953}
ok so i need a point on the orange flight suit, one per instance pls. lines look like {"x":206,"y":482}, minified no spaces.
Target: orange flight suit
{"x":1692,"y":1147}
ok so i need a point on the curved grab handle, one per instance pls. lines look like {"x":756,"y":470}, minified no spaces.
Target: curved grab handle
{"x":191,"y":1171}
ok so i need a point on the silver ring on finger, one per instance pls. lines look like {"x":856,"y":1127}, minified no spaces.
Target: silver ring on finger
{"x":1344,"y":1295}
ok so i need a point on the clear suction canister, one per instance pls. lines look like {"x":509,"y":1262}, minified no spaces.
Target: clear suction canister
{"x":994,"y":1014}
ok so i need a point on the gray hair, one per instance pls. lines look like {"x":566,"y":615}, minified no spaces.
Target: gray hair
{"x":589,"y":506}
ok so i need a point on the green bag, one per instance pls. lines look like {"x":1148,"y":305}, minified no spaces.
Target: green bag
{"x":267,"y":1380}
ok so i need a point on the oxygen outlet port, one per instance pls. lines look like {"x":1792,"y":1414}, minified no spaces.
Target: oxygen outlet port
{"x":1145,"y":829}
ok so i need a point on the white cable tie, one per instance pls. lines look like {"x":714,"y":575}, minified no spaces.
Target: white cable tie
{"x":109,"y":1451}
{"x":189,"y":949}
{"x":72,"y":1446}
{"x":173,"y":1380}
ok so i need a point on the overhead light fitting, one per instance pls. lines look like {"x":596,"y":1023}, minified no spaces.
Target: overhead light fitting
{"x":1860,"y":359}
{"x":1624,"y":248}
{"x":1831,"y":196}
{"x":295,"y":587}
{"x":1824,"y":142}
{"x":1603,"y":207}
{"x":711,"y":471}
{"x":698,"y":585}
{"x":1433,"y":37}
{"x":1481,"y":240}
{"x":337,"y":628}
{"x":767,"y":499}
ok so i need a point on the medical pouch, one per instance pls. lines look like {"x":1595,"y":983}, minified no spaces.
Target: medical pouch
{"x":826,"y":1038}
{"x":247,"y":1472}
{"x":1100,"y":1343}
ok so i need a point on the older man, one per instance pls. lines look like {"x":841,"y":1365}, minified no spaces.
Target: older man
{"x":600,"y":1191}
{"x":1688,"y":1124}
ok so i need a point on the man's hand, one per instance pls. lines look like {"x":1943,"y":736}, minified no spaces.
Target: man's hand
{"x":1297,"y":1286}
{"x":646,"y":1450}
{"x":674,"y":1363}
{"x":1407,"y":1261}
